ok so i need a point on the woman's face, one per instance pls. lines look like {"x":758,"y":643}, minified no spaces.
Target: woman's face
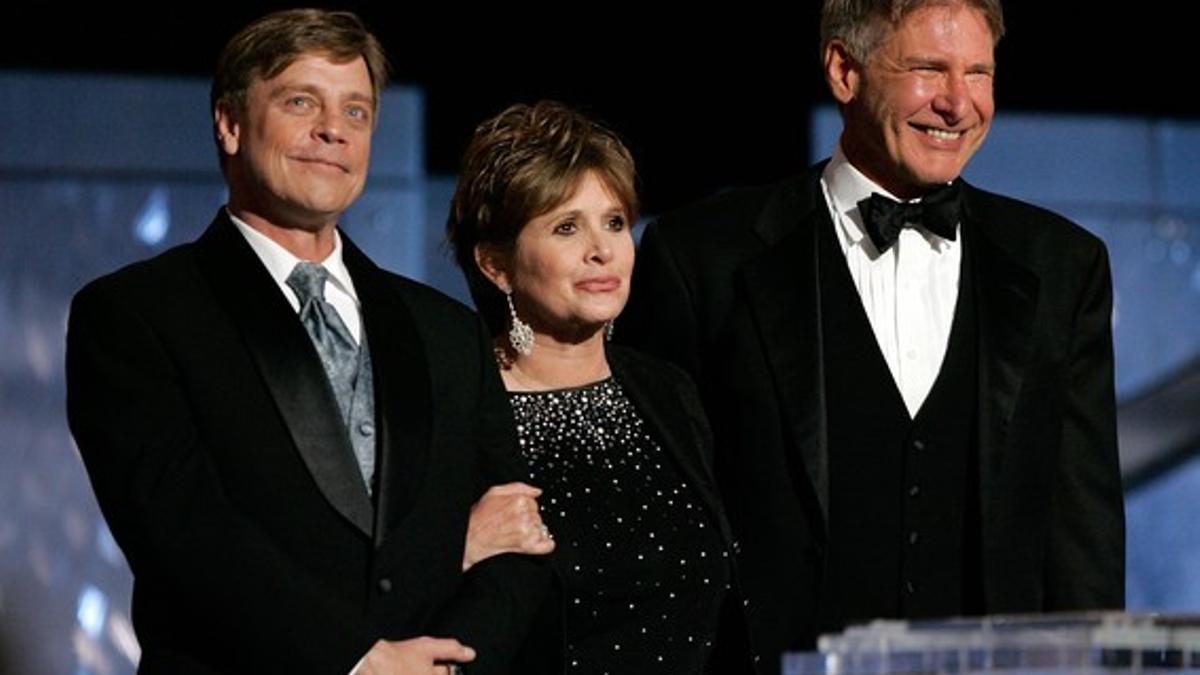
{"x":570,"y":267}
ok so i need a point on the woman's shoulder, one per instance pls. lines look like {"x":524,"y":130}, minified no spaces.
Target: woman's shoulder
{"x":653,"y":381}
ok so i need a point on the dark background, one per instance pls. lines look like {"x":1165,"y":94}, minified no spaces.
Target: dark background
{"x":705,"y":99}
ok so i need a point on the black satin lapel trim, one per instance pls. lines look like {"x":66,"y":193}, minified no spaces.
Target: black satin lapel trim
{"x":289,"y":366}
{"x":403,"y":391}
{"x":782,"y":288}
{"x":1007,"y":297}
{"x":681,"y":437}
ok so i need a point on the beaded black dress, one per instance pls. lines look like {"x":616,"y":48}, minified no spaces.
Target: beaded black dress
{"x":643,"y":566}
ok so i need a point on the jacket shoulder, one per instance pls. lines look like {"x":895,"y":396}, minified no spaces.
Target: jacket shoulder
{"x":1029,"y":225}
{"x":162,"y":276}
{"x":428,"y":303}
{"x":730,"y":210}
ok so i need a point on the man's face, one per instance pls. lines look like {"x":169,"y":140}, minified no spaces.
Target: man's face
{"x":298,"y":151}
{"x":921,"y":106}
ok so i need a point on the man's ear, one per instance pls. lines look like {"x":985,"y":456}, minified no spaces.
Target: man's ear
{"x":227,"y":122}
{"x":843,"y":73}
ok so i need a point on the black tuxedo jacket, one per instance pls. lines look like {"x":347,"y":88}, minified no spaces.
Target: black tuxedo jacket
{"x":728,"y":289}
{"x":218,"y":456}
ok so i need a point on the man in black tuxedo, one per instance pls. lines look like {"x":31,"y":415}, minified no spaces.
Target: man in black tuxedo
{"x":285,"y":439}
{"x":913,"y":402}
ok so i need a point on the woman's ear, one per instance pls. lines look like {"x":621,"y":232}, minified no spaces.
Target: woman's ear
{"x":494,"y":265}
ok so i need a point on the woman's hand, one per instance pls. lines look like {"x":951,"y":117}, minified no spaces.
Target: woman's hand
{"x":506,"y":520}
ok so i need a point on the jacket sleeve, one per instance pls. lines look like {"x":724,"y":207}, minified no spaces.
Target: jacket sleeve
{"x":500,"y":597}
{"x":1085,"y":561}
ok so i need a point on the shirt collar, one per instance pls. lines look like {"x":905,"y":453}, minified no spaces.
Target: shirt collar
{"x":845,"y":187}
{"x":280,"y":262}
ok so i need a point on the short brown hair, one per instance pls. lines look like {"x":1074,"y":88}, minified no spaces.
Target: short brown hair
{"x":521,"y":164}
{"x":268,"y":46}
{"x":864,"y":24}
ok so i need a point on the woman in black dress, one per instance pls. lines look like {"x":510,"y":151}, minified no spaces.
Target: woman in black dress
{"x":616,"y":441}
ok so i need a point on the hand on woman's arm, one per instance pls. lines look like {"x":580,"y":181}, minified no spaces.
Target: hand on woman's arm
{"x":506,"y":520}
{"x":418,"y":655}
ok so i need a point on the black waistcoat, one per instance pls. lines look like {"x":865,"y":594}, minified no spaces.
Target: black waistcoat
{"x":904,"y":501}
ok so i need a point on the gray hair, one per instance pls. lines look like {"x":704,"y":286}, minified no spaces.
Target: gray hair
{"x":864,"y":24}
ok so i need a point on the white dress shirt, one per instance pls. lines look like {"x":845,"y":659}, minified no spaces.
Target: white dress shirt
{"x":339,"y":292}
{"x":909,"y":292}
{"x":280,"y":262}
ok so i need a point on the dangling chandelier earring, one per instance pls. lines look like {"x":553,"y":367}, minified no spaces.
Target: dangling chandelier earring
{"x":609,"y":327}
{"x":520,"y":336}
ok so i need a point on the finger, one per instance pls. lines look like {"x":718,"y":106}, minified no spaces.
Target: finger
{"x":535,"y":545}
{"x":536,"y":535}
{"x":529,"y":505}
{"x":448,"y":649}
{"x":515,"y":489}
{"x":541,"y":547}
{"x":529,"y":524}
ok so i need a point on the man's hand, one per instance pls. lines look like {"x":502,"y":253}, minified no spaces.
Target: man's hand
{"x":418,"y":656}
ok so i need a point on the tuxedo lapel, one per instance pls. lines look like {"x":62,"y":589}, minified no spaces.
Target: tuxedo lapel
{"x":1007,"y":296}
{"x":784,"y":301}
{"x":288,"y":364}
{"x":403,"y":393}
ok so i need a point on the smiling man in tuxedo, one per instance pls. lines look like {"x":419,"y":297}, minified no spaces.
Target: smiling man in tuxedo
{"x":285,"y":439}
{"x":910,"y":379}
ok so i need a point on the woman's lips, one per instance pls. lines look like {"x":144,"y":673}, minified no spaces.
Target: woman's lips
{"x":599,"y":284}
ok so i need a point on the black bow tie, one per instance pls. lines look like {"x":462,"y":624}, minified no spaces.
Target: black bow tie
{"x":939,"y":212}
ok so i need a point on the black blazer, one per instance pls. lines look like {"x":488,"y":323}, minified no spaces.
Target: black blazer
{"x":220,"y":461}
{"x":667,"y":400}
{"x":728,"y":289}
